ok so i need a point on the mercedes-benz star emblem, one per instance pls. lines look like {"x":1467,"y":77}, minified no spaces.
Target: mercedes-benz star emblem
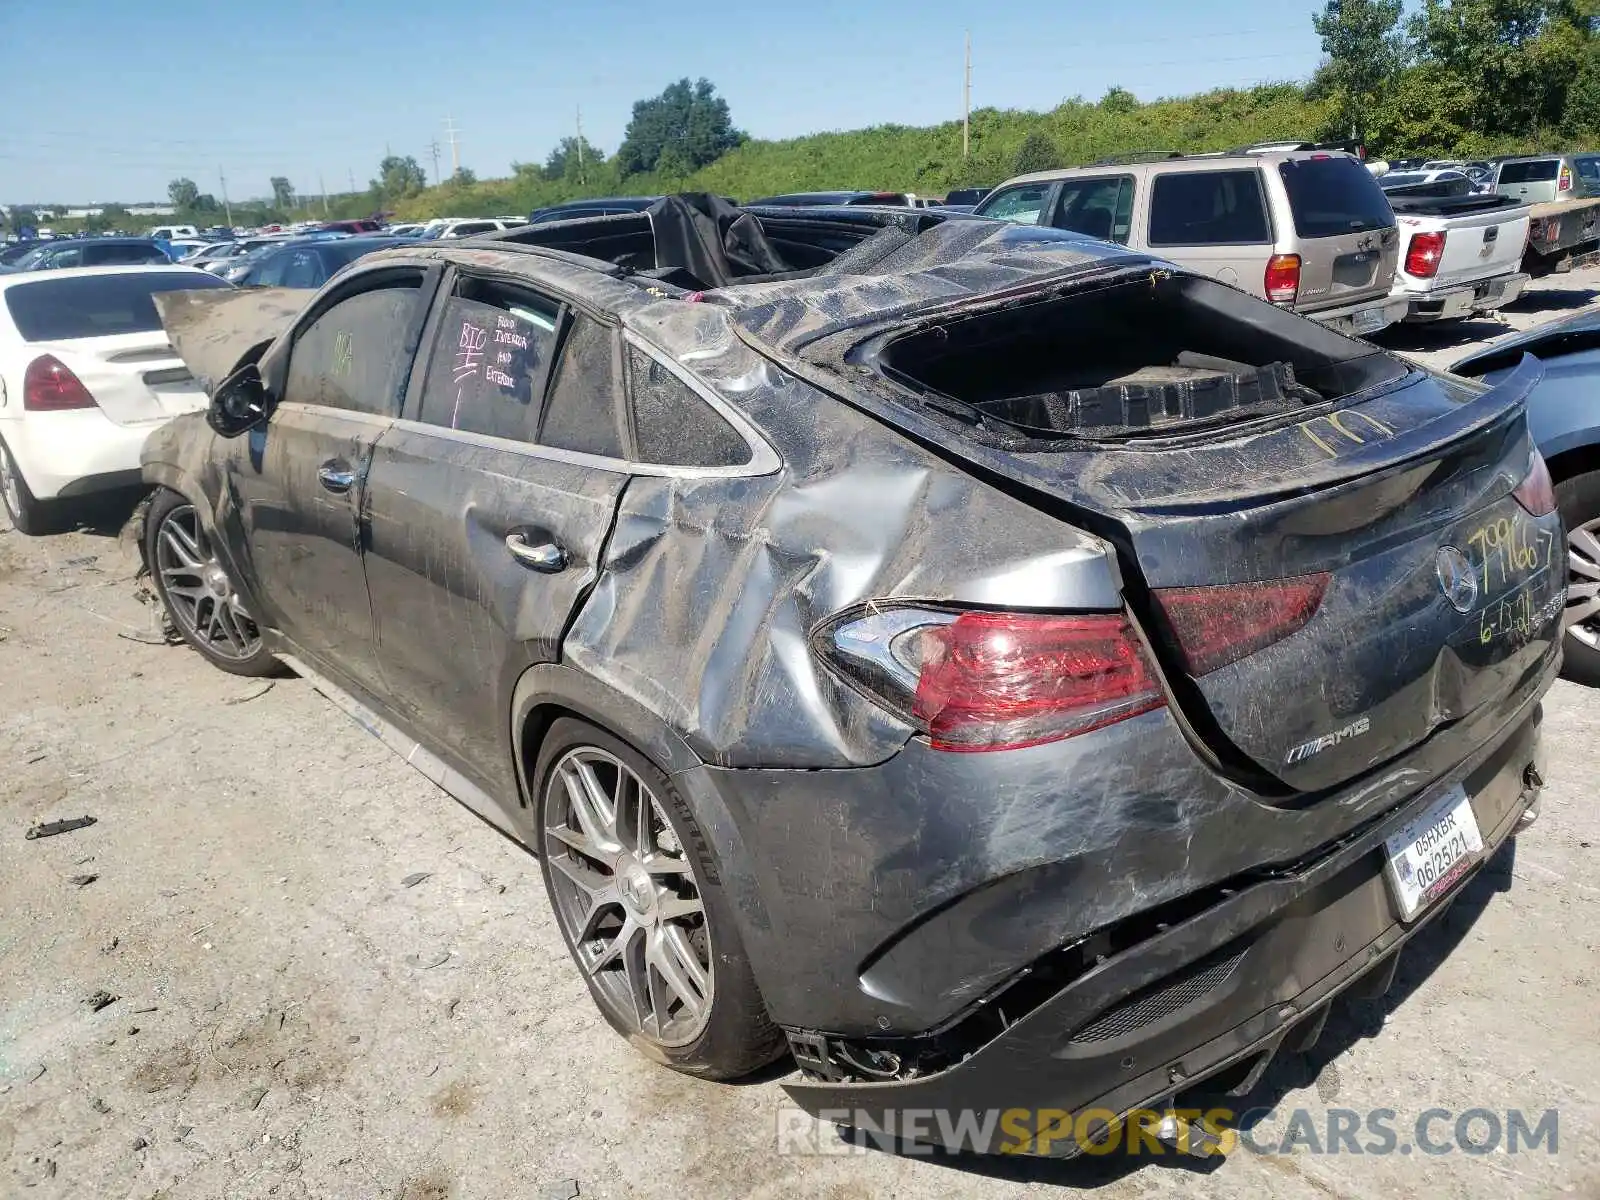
{"x":1457,"y":579}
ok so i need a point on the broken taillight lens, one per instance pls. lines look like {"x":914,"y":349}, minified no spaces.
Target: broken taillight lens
{"x":1536,"y":493}
{"x":1423,"y":255}
{"x":1282,"y":279}
{"x":49,"y":385}
{"x":1215,"y":626}
{"x":995,"y":680}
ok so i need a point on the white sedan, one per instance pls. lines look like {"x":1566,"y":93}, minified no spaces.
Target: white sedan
{"x":86,"y":372}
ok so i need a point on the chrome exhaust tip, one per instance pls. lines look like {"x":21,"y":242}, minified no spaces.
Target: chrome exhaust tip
{"x":1186,"y":1136}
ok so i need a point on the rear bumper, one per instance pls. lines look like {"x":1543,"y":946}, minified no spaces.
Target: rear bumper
{"x":1454,"y":303}
{"x":76,"y":453}
{"x":1224,"y":989}
{"x":1358,"y":320}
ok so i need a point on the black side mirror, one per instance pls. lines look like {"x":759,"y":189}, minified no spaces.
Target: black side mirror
{"x":240,"y":404}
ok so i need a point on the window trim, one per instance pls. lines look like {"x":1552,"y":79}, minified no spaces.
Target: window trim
{"x":274,"y":365}
{"x":1261,"y":194}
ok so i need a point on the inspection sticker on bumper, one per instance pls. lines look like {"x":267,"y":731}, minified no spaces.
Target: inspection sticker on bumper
{"x":1432,"y":852}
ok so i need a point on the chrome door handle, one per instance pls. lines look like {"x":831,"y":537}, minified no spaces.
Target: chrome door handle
{"x":336,"y":478}
{"x":546,"y":557}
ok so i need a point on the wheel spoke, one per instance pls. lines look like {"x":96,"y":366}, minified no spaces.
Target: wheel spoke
{"x":590,"y":805}
{"x":613,"y":950}
{"x":180,"y":547}
{"x":578,"y":840}
{"x":1583,"y":553}
{"x":636,"y":974}
{"x":679,"y":969}
{"x":1581,"y":608}
{"x":676,"y":908}
{"x":594,"y":886}
{"x":230,"y":628}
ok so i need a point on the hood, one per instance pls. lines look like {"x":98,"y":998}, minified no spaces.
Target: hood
{"x":215,"y":331}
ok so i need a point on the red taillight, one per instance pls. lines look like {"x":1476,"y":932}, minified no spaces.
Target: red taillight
{"x":1423,"y":255}
{"x":1536,"y":493}
{"x":1282,"y":281}
{"x":1216,"y":626}
{"x":995,"y":680}
{"x":50,"y":386}
{"x":1564,"y":184}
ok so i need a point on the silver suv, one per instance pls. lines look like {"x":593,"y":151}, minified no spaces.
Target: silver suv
{"x":1546,"y":177}
{"x":1308,"y":230}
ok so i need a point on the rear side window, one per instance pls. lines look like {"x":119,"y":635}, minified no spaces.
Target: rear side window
{"x":1541,"y":170}
{"x":1020,"y":204}
{"x":673,"y":426}
{"x":1588,"y":169}
{"x":96,"y":306}
{"x":1099,"y":208}
{"x":1332,"y":196}
{"x":582,"y":412}
{"x":489,"y":363}
{"x":353,"y":356}
{"x":122,"y":255}
{"x":303,"y":269}
{"x":1208,"y":208}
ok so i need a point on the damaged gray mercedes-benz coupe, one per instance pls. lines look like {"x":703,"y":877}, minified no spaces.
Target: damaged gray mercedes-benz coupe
{"x":998,"y":668}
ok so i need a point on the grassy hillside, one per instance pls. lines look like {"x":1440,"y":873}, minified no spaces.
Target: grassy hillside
{"x":926,"y":160}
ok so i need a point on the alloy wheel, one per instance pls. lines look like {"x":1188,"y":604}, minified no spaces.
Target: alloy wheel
{"x":8,"y":484}
{"x":627,"y":897}
{"x":1582,"y":618}
{"x":199,"y":594}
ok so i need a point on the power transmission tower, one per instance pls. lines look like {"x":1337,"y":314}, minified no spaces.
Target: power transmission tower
{"x":966,"y":101}
{"x":433,"y":148}
{"x":450,"y":132}
{"x":227,"y":209}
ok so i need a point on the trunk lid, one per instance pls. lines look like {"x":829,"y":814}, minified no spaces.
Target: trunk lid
{"x":134,"y":377}
{"x":1388,"y":487}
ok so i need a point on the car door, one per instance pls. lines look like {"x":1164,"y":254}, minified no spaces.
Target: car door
{"x":296,"y":482}
{"x":487,"y":510}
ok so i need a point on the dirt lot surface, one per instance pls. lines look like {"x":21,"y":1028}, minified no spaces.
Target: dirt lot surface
{"x":297,"y":1013}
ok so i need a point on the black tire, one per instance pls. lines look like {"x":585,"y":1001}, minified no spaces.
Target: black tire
{"x":28,"y":515}
{"x":738,"y":1036}
{"x":253,"y":664}
{"x":1579,"y":501}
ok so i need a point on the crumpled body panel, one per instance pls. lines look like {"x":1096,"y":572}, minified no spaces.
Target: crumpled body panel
{"x":213,"y":330}
{"x":711,"y":588}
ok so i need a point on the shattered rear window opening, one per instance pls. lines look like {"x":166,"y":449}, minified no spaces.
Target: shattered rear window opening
{"x":1145,"y":357}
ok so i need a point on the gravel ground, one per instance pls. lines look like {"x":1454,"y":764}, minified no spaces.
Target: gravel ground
{"x":296,"y":1014}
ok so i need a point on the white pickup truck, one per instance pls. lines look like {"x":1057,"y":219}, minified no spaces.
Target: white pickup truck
{"x":1460,"y":255}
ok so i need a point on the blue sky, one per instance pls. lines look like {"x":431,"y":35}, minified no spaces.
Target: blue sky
{"x":109,"y":101}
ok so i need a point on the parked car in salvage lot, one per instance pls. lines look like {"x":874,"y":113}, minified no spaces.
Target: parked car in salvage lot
{"x":923,"y":678}
{"x":1309,"y":230}
{"x":1460,"y":253}
{"x":85,"y":374}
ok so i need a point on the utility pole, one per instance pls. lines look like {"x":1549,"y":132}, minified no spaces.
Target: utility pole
{"x":966,"y":101}
{"x":324,"y":188}
{"x":582,"y":178}
{"x":455,"y":146}
{"x":352,"y":181}
{"x":433,"y":148}
{"x":227,"y":209}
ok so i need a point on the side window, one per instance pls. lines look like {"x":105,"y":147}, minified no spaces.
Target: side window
{"x":469,"y":228}
{"x":353,"y":356}
{"x":489,"y":362}
{"x":1096,"y":207}
{"x":1589,"y":169}
{"x":582,"y":411}
{"x":270,"y":271}
{"x":673,"y":426}
{"x":1208,"y":208}
{"x":1020,"y":204}
{"x":71,"y":257}
{"x":109,"y":255}
{"x":303,"y":269}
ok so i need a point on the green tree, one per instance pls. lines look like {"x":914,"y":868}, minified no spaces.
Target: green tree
{"x":282,"y":193}
{"x":464,"y":177}
{"x":398,"y":178}
{"x":1580,"y":114}
{"x":23,"y":218}
{"x":573,"y":158}
{"x":1118,"y":100}
{"x":1366,"y":50}
{"x":1037,"y":153}
{"x":182,"y":193}
{"x":691,"y":117}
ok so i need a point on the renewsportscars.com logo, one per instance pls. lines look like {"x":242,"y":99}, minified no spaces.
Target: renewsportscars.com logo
{"x":1214,"y":1131}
